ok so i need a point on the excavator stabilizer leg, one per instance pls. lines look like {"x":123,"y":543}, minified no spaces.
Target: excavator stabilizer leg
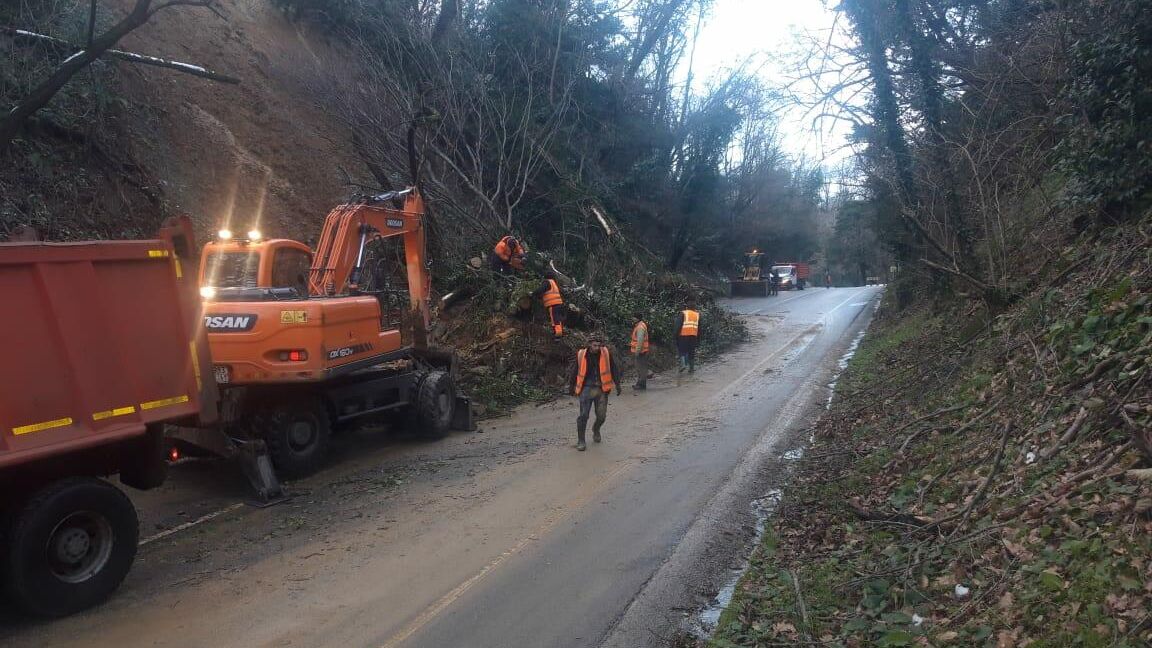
{"x":462,"y":416}
{"x":257,"y":467}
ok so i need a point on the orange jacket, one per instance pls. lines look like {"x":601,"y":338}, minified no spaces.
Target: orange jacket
{"x":636,"y":343}
{"x":691,"y":326}
{"x":607,"y":384}
{"x":507,"y":248}
{"x":552,"y":296}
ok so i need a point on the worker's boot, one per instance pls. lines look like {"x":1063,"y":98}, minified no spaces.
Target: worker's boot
{"x":580,"y":427}
{"x":596,"y":433}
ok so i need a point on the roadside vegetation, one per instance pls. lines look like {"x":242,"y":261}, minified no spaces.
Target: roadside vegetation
{"x":984,"y":475}
{"x":980,"y":479}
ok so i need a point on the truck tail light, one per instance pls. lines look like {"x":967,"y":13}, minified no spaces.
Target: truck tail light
{"x":295,"y":355}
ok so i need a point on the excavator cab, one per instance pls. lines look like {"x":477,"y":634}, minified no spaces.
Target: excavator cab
{"x":253,"y":262}
{"x":752,"y":264}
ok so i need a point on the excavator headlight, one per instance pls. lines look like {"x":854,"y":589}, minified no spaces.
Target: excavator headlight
{"x":254,"y":235}
{"x":207,"y":292}
{"x":225,"y":234}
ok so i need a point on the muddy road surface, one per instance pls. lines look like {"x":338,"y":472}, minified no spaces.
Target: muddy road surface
{"x":507,"y":537}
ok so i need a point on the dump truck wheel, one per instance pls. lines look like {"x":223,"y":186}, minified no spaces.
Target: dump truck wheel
{"x":435,"y":405}
{"x":69,"y":547}
{"x":297,"y":433}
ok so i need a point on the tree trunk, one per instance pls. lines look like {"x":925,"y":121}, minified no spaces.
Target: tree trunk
{"x":11,"y":123}
{"x":449,"y":10}
{"x":651,"y":37}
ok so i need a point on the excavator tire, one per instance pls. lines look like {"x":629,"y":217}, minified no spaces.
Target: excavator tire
{"x":297,"y":432}
{"x":435,"y":405}
{"x":69,"y":547}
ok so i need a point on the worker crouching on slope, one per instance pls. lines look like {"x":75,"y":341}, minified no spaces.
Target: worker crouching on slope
{"x":687,"y":338}
{"x":639,"y":348}
{"x":549,"y":294}
{"x":591,"y":379}
{"x":508,"y":255}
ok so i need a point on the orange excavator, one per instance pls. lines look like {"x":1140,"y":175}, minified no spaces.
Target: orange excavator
{"x":303,"y":342}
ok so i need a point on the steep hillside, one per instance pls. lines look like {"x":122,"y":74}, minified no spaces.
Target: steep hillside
{"x":126,"y":144}
{"x":257,"y":152}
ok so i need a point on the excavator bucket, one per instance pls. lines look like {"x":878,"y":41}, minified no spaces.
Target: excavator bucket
{"x":749,"y":288}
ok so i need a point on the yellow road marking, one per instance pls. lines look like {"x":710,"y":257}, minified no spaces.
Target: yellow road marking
{"x":119,"y":411}
{"x":39,"y":427}
{"x":164,"y":402}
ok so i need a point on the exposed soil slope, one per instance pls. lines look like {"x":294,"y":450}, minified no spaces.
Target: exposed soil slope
{"x":258,"y":152}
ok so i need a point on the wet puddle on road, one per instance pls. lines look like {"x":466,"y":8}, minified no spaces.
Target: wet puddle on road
{"x":763,"y":508}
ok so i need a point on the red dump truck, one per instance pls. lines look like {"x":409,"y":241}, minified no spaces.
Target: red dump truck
{"x":102,"y":348}
{"x":793,"y":274}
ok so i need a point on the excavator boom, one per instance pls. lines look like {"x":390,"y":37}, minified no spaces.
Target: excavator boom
{"x":348,"y":228}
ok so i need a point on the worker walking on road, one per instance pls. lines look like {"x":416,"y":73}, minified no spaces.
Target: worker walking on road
{"x":774,"y":283}
{"x":639,"y":348}
{"x":827,"y":279}
{"x":549,"y":294}
{"x":687,"y":337}
{"x":591,"y":379}
{"x":508,"y":255}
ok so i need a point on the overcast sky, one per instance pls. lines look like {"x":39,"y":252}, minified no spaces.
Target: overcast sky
{"x":765,"y":30}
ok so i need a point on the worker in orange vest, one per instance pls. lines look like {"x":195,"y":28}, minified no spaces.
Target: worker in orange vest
{"x":549,"y":294}
{"x":508,"y":254}
{"x":592,"y":378}
{"x":639,"y":348}
{"x":687,"y":338}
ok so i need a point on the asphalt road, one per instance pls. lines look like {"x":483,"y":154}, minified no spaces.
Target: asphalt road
{"x":504,"y":538}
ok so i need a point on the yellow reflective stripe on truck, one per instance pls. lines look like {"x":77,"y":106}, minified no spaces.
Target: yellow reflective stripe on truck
{"x":119,"y":411}
{"x":164,"y":402}
{"x":39,"y":427}
{"x":195,"y":364}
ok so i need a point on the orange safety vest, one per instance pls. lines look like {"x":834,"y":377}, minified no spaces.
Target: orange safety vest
{"x":505,"y":251}
{"x":607,"y":384}
{"x":691,"y":327}
{"x":552,"y":296}
{"x":635,"y":338}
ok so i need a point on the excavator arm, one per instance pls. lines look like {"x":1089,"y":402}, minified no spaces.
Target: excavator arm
{"x":337,"y":264}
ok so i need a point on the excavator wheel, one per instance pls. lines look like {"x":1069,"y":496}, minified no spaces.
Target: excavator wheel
{"x":297,"y":431}
{"x":435,"y":405}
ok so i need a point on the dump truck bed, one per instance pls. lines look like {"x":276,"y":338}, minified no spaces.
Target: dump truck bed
{"x":101,"y":340}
